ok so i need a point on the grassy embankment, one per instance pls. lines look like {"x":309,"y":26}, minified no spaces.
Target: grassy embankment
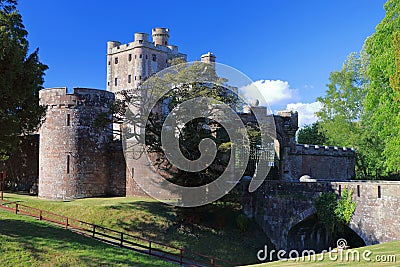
{"x":216,"y":235}
{"x":25,"y":241}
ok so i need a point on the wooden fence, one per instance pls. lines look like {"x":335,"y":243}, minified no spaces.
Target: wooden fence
{"x":178,"y":255}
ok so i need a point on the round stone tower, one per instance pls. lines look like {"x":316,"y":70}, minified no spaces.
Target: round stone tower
{"x":72,"y":149}
{"x":160,"y":36}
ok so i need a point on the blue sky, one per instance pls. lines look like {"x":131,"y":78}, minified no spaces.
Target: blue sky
{"x":286,"y":46}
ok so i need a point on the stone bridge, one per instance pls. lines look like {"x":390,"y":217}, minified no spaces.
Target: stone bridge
{"x":284,"y":211}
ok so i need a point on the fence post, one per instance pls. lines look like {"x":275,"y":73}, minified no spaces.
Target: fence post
{"x":122,"y":239}
{"x":212,"y":262}
{"x":66,"y":223}
{"x":40,"y":215}
{"x":3,"y":177}
{"x":149,"y":247}
{"x":180,"y":256}
{"x":94,"y":229}
{"x":16,"y":208}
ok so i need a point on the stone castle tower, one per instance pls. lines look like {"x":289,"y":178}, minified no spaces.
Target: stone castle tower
{"x":129,"y":64}
{"x":72,"y":150}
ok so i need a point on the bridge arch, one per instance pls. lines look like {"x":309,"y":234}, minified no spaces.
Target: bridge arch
{"x":306,"y":231}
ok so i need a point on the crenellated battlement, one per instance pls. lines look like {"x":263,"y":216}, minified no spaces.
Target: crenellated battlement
{"x":59,"y":97}
{"x":306,"y":149}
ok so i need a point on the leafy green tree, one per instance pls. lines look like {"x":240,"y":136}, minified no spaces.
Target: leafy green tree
{"x":382,"y":110}
{"x":311,"y":134}
{"x":196,"y":130}
{"x":342,"y":118}
{"x":21,"y":78}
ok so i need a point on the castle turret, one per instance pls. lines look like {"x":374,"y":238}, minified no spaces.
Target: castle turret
{"x":208,"y":58}
{"x":160,"y":36}
{"x":141,"y":37}
{"x":73,"y":151}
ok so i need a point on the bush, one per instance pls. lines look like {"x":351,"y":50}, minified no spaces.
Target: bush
{"x":242,"y":222}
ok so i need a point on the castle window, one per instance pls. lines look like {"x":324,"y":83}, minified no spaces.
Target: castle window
{"x":140,"y":41}
{"x":154,"y":57}
{"x":135,"y":78}
{"x":135,"y":56}
{"x":379,"y":191}
{"x":116,"y":81}
{"x":130,"y":57}
{"x":116,"y":60}
{"x":68,"y":119}
{"x":140,"y":77}
{"x":109,"y":62}
{"x":129,"y":78}
{"x":165,"y":43}
{"x":108,"y":83}
{"x":68,"y":162}
{"x":140,"y":56}
{"x":146,"y":57}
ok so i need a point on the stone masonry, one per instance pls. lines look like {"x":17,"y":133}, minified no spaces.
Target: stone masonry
{"x":72,"y":151}
{"x":279,"y":206}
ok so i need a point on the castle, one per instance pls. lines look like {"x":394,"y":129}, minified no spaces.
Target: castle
{"x":71,"y":158}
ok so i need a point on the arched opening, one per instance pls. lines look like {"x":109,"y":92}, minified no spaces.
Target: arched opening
{"x":311,"y":234}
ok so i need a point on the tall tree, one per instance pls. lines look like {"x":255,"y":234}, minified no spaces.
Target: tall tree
{"x":382,"y":109}
{"x":21,"y":78}
{"x":342,"y":116}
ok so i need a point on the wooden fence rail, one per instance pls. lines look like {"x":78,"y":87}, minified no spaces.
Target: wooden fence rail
{"x":178,"y":255}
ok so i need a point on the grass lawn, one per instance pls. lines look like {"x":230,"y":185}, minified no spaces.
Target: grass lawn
{"x":151,"y":219}
{"x":25,"y":241}
{"x":387,"y":254}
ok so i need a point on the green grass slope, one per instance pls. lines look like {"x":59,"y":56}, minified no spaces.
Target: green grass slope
{"x":151,"y":219}
{"x":25,"y":241}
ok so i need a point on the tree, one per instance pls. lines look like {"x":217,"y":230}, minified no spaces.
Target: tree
{"x":382,"y":109}
{"x":21,"y":78}
{"x":311,"y":134}
{"x":197,"y":129}
{"x":342,"y":118}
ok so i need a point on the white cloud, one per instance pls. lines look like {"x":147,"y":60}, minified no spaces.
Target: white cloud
{"x":272,"y":92}
{"x":279,"y":94}
{"x":306,"y":111}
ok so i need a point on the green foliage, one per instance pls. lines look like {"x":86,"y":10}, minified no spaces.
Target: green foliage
{"x":335,"y":213}
{"x":21,"y":78}
{"x":382,"y":110}
{"x":242,"y":222}
{"x":342,"y":118}
{"x":204,"y":83}
{"x":326,"y":205}
{"x":345,"y":207}
{"x":311,"y":134}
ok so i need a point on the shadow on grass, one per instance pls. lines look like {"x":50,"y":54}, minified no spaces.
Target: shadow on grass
{"x":213,"y":232}
{"x":40,"y":239}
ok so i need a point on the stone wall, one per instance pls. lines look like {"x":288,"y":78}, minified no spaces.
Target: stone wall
{"x":117,"y":170}
{"x":72,"y":158}
{"x":320,"y":162}
{"x":377,"y":216}
{"x":279,"y":206}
